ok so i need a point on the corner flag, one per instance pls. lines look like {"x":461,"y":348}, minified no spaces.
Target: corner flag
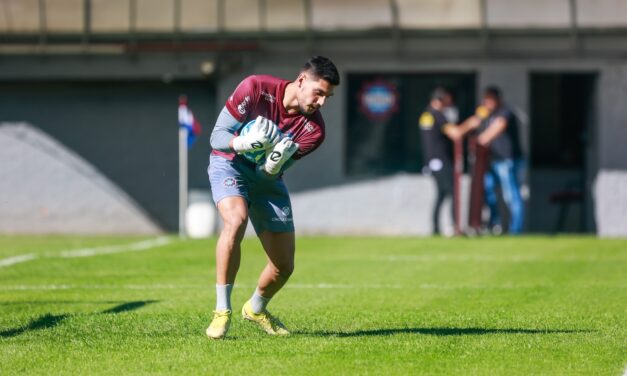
{"x":188,"y":121}
{"x":189,"y":129}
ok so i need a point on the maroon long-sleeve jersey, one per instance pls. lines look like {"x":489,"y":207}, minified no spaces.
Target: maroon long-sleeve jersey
{"x":261,"y":95}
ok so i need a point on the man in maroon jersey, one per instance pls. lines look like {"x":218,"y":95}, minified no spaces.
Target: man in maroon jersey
{"x":267,"y":124}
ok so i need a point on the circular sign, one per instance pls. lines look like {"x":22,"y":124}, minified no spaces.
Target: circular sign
{"x":378,"y":100}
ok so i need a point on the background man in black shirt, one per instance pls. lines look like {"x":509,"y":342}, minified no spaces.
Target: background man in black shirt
{"x":438,"y":134}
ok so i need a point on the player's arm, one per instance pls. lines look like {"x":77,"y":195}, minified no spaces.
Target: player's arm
{"x":457,"y":132}
{"x":496,"y":127}
{"x":264,"y":134}
{"x":452,"y":131}
{"x":224,"y":131}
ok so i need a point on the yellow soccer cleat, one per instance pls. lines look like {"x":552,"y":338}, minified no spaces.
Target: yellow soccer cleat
{"x":219,"y":325}
{"x":265,"y":320}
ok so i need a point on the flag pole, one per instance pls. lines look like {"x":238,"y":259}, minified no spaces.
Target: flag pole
{"x":182,"y":179}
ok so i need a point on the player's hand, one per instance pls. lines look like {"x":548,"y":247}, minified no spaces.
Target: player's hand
{"x":280,"y":154}
{"x":483,"y":140}
{"x":474,"y":122}
{"x":263,"y":135}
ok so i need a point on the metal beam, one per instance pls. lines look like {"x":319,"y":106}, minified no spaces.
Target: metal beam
{"x":221,"y":17}
{"x":263,"y":20}
{"x":396,"y":26}
{"x":86,"y":22}
{"x":177,"y":21}
{"x":43,"y":28}
{"x":263,"y":15}
{"x":309,"y":31}
{"x":485,"y":27}
{"x":132,"y":24}
{"x":8,"y":18}
{"x":574,"y":26}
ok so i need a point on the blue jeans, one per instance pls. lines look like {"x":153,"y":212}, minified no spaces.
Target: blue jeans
{"x":505,"y":172}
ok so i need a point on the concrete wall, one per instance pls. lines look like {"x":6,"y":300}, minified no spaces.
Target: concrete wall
{"x":610,"y":192}
{"x":47,"y":188}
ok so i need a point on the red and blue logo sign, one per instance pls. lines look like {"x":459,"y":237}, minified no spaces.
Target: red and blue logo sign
{"x":378,"y":100}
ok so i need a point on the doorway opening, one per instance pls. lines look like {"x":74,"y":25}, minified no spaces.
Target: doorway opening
{"x":562,"y":122}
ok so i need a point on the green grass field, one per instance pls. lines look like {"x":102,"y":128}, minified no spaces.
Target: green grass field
{"x":532,"y":305}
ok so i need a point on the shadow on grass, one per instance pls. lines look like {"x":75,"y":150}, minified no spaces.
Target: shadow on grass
{"x":49,"y":321}
{"x":59,"y":302}
{"x":129,"y":306}
{"x":44,"y":322}
{"x":437,"y":332}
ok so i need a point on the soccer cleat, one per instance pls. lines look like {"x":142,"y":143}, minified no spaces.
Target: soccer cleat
{"x":265,"y":320}
{"x":219,"y":325}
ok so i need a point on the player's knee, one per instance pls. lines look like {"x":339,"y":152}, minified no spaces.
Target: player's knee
{"x":285,"y":270}
{"x":235,"y":223}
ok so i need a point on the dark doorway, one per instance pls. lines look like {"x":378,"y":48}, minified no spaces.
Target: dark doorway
{"x":562,"y":122}
{"x":383,"y":136}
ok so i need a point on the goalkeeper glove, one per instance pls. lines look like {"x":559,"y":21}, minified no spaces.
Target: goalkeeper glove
{"x":263,"y":134}
{"x":281,"y":153}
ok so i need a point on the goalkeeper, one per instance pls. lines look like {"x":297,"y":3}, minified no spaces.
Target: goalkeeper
{"x":266,"y":125}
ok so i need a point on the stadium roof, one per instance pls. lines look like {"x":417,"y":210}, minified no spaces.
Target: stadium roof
{"x":49,"y":22}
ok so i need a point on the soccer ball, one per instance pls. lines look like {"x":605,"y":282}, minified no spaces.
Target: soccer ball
{"x":255,"y":156}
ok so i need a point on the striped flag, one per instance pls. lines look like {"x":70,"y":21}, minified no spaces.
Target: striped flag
{"x":188,"y":121}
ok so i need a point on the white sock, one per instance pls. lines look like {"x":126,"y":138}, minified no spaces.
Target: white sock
{"x":258,"y":302}
{"x":223,"y":297}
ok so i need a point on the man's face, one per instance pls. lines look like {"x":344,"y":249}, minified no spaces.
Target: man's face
{"x":490,"y":103}
{"x":447,"y":100}
{"x":312,"y":92}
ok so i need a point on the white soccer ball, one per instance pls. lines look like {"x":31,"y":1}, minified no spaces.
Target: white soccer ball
{"x":255,"y":156}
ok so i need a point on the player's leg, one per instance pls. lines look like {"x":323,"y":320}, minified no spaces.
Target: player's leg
{"x":271,"y":215}
{"x":511,"y":194}
{"x":439,"y":200}
{"x":490,"y":181}
{"x":229,"y":191}
{"x":234,"y":213}
{"x":444,"y":178}
{"x":280,"y":248}
{"x":444,"y":184}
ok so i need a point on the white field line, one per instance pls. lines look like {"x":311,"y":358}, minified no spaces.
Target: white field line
{"x":17,"y":259}
{"x":317,"y":286}
{"x":107,"y":250}
{"x":143,"y":245}
{"x":477,"y":258}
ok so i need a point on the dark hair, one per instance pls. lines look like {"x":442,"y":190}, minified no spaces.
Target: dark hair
{"x":492,"y":92}
{"x":440,"y":92}
{"x":323,"y":68}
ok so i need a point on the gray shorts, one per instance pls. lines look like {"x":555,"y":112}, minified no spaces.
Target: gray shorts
{"x":269,"y":206}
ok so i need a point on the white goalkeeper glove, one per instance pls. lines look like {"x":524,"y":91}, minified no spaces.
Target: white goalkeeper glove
{"x":280,"y":154}
{"x":263,"y":134}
